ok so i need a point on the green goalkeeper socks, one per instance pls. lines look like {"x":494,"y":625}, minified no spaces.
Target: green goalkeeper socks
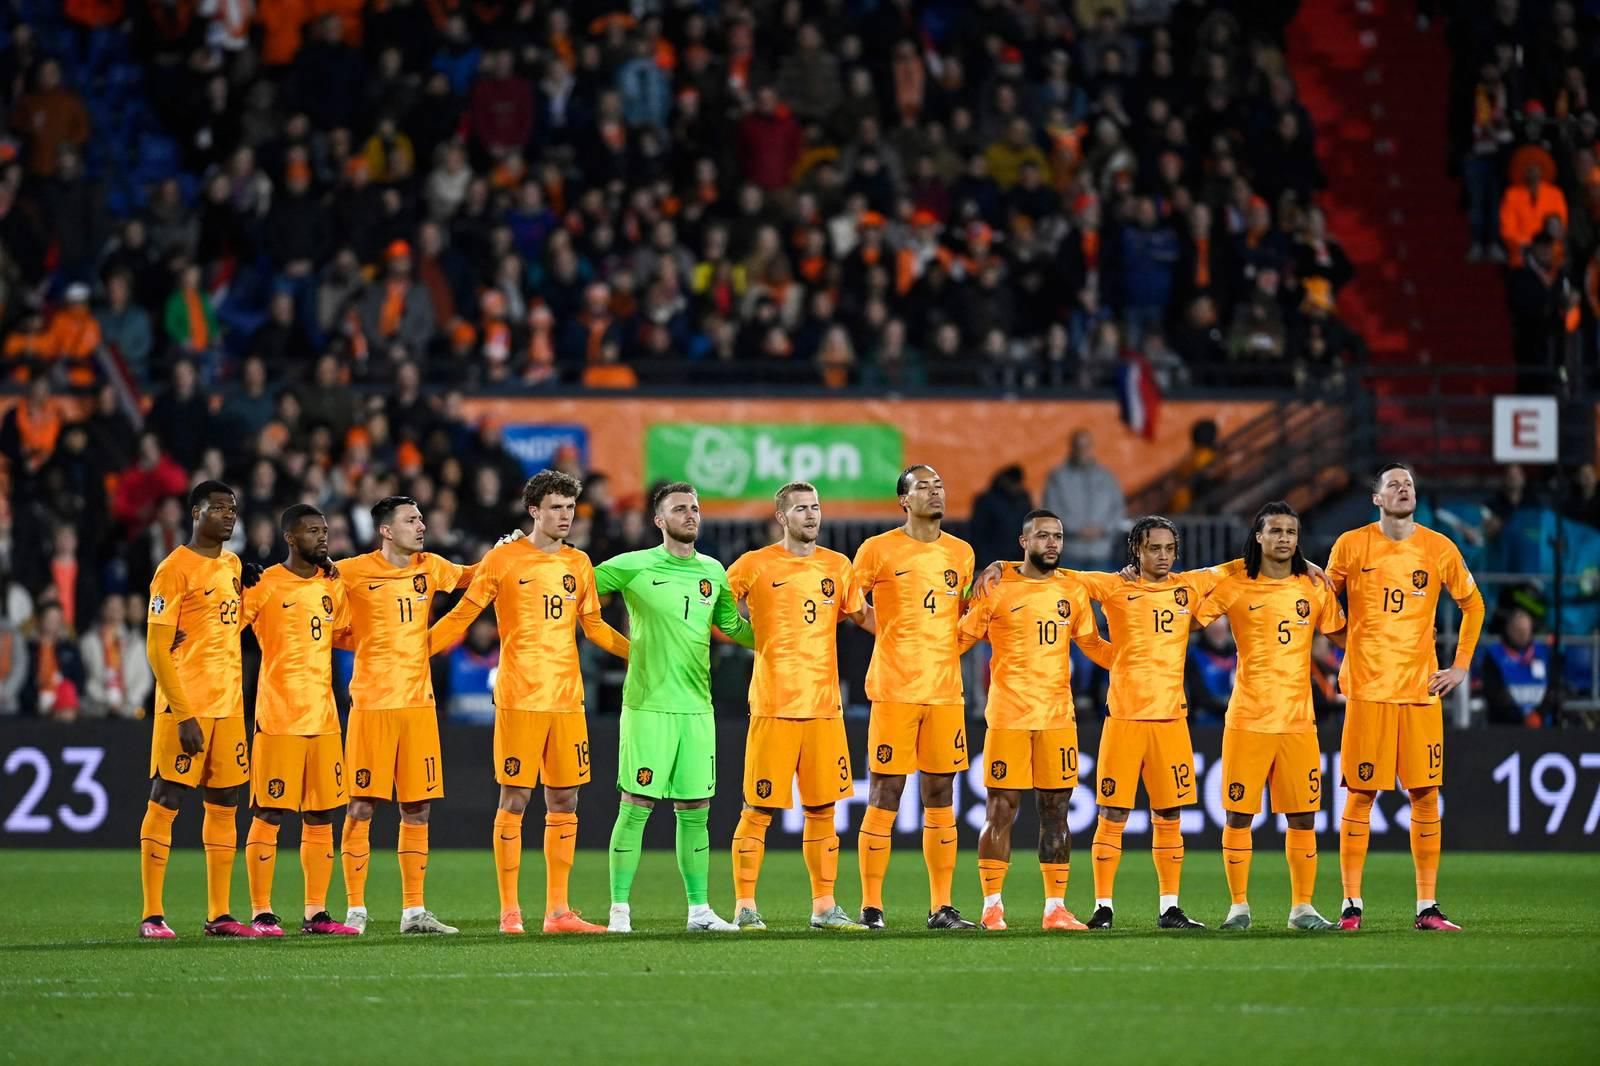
{"x":627,"y":842}
{"x":694,"y":854}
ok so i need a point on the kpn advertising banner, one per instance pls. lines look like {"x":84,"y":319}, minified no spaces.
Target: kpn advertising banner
{"x":751,"y":461}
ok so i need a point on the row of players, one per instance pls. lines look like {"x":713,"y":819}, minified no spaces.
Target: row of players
{"x":913,"y":587}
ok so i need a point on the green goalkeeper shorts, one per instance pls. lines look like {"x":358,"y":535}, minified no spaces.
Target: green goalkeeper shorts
{"x":667,"y":756}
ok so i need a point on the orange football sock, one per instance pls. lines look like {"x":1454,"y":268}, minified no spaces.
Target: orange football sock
{"x":872,"y":852}
{"x":560,"y":845}
{"x":1355,"y":834}
{"x":155,"y":844}
{"x":316,"y":865}
{"x":260,"y":861}
{"x":1166,"y":850}
{"x":1055,"y":879}
{"x":219,"y":832}
{"x":939,"y":852}
{"x":356,"y":857}
{"x":1107,"y":853}
{"x":508,"y":855}
{"x":413,"y":853}
{"x":1426,"y":843}
{"x":992,"y":874}
{"x":749,"y":848}
{"x":820,"y":845}
{"x":1237,"y":851}
{"x":1300,"y":848}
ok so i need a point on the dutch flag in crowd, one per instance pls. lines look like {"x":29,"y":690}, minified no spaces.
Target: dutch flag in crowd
{"x":1138,"y":394}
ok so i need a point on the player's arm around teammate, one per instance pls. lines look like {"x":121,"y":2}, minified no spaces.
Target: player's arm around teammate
{"x":795,"y":594}
{"x":539,"y":585}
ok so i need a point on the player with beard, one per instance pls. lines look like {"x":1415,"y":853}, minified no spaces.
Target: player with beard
{"x":1391,"y":573}
{"x":796,"y":594}
{"x":198,"y":738}
{"x":297,"y":759}
{"x":668,"y":745}
{"x":918,"y":577}
{"x":1032,"y":736}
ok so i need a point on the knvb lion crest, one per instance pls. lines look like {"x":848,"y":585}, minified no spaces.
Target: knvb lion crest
{"x":1236,"y":792}
{"x":827,"y":587}
{"x":275,"y":788}
{"x":1108,"y":785}
{"x":951,"y":578}
{"x":645,"y":775}
{"x":420,"y":583}
{"x":237,"y":587}
{"x":513,"y":766}
{"x":997,"y":770}
{"x":705,"y":589}
{"x":182,"y":763}
{"x":1364,"y":771}
{"x":1419,"y":579}
{"x":569,"y":584}
{"x":1181,"y":597}
{"x":1302,"y":608}
{"x":363,"y":777}
{"x":884,"y":753}
{"x":763,"y":789}
{"x":327,"y":605}
{"x":1064,"y":609}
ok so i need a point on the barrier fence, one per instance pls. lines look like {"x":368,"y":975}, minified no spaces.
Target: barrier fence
{"x":85,"y":785}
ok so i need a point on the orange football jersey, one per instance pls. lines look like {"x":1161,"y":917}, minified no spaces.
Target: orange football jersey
{"x":295,"y":619}
{"x":1030,"y":622}
{"x":916,"y":591}
{"x":1272,"y":622}
{"x":389,"y":609}
{"x":201,"y":597}
{"x":796,"y":604}
{"x":538,"y":598}
{"x":1392,"y":592}
{"x":1149,"y":629}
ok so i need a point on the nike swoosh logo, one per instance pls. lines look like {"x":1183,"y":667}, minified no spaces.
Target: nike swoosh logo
{"x":653,"y":581}
{"x":363,"y":866}
{"x":1352,"y":834}
{"x":370,"y":588}
{"x":423,"y":868}
{"x":1234,"y":862}
{"x":210,"y":591}
{"x":568,"y":836}
{"x":1311,"y":854}
{"x":1368,"y":569}
{"x":1102,"y":858}
{"x":952,"y":840}
{"x":1432,"y":776}
{"x":699,"y":850}
{"x":901,"y":573}
{"x":833,"y":849}
{"x":328,"y":856}
{"x":620,"y":851}
{"x":1257,"y":606}
{"x":872,"y":848}
{"x":1135,"y":597}
{"x":524,"y":581}
{"x":285,"y":605}
{"x":1017,"y":608}
{"x":779,"y":584}
{"x":262,"y":858}
{"x":510,"y":838}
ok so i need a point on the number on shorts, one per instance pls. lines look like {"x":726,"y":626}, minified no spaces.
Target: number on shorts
{"x":1435,"y":756}
{"x":811,"y":611}
{"x":582,"y":750}
{"x":1047,"y":632}
{"x":1393,"y":600}
{"x":1069,"y":760}
{"x":553,"y":608}
{"x":844,"y":768}
{"x":405,"y":608}
{"x":316,"y":628}
{"x":338,"y":774}
{"x":1315,"y":779}
{"x":961,"y":740}
{"x":1163,"y":620}
{"x":240,"y":756}
{"x":1180,"y":775}
{"x":430,"y":768}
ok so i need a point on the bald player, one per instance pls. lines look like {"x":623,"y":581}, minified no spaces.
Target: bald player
{"x":1391,"y":573}
{"x":197,"y":740}
{"x":795,"y":594}
{"x":541,"y":588}
{"x":297,"y":757}
{"x":1032,"y":735}
{"x":918,"y":577}
{"x":1270,"y":734}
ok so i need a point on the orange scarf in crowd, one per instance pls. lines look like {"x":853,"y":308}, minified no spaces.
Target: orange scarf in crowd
{"x":199,"y":335}
{"x":111,"y":649}
{"x":64,"y":575}
{"x":47,"y":673}
{"x":1091,"y":249}
{"x":394,"y":306}
{"x":1202,"y":262}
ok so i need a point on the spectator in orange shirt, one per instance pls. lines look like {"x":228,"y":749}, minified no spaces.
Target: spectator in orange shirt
{"x":1524,"y":208}
{"x":48,"y":117}
{"x":73,"y":337}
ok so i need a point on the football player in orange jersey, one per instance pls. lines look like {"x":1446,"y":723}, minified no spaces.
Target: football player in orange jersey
{"x":795,"y":594}
{"x":297,"y":759}
{"x":198,"y":737}
{"x":1392,"y":572}
{"x":1271,"y":735}
{"x":1032,"y":737}
{"x":392,"y":737}
{"x":918,"y":577}
{"x":542,"y":587}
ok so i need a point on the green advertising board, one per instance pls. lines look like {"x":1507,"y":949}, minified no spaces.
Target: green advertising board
{"x":751,"y":461}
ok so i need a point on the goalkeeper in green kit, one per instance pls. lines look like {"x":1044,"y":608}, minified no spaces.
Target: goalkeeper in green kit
{"x":674,"y":596}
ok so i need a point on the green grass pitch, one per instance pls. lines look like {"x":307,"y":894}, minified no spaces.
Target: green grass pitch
{"x":1522,"y":984}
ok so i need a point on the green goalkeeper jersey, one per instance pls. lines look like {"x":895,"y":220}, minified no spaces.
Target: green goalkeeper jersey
{"x":672,"y":605}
